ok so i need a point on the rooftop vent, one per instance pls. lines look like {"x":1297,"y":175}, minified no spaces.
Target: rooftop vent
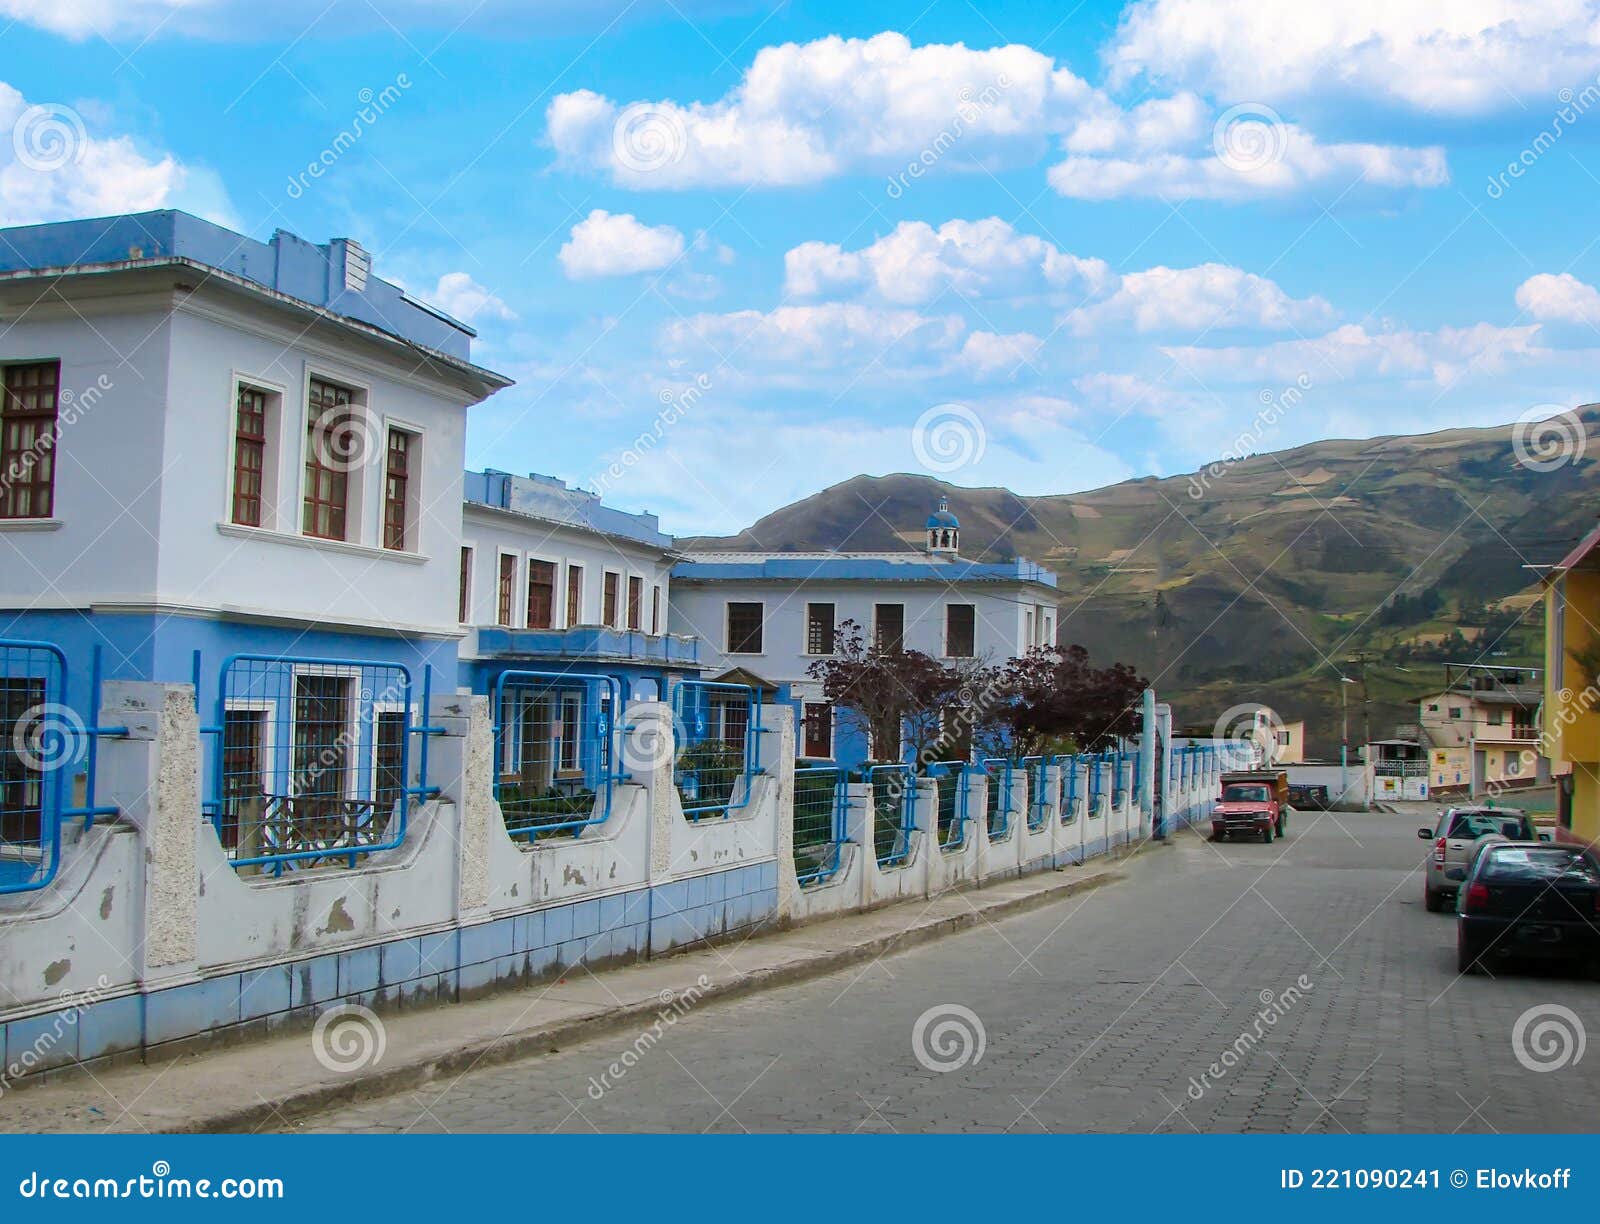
{"x":357,"y":264}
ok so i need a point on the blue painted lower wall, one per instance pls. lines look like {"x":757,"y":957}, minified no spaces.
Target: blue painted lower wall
{"x":443,"y":967}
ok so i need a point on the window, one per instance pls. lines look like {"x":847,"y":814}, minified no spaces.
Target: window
{"x":655,"y":610}
{"x":330,"y":426}
{"x":322,"y":739}
{"x":22,"y":778}
{"x":1455,"y":711}
{"x":608,"y":602}
{"x":1283,"y":739}
{"x":28,"y":440}
{"x":571,"y":732}
{"x":1433,"y":707}
{"x":541,"y":594}
{"x":389,"y":775}
{"x":819,"y":628}
{"x":960,"y":631}
{"x":890,"y":622}
{"x":635,"y":602}
{"x":506,"y":595}
{"x":818,"y":744}
{"x":464,"y":590}
{"x":249,"y":455}
{"x":744,"y":628}
{"x":574,"y":595}
{"x":397,"y":489}
{"x":1496,"y":717}
{"x":244,"y":740}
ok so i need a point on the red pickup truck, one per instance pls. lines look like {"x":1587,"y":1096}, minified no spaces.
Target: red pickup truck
{"x":1253,"y":802}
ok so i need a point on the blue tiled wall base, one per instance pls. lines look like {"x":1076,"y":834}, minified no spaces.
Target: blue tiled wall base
{"x":420,"y":969}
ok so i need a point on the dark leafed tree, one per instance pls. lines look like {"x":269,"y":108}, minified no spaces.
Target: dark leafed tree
{"x":1053,"y":696}
{"x":902,"y":698}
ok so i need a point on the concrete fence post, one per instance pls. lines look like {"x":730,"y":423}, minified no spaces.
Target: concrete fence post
{"x":461,"y":765}
{"x":153,"y":776}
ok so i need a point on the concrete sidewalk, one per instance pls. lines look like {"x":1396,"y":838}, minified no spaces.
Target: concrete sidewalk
{"x":269,"y":1084}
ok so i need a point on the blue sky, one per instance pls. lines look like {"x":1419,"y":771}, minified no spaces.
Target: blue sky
{"x":1130,"y":230}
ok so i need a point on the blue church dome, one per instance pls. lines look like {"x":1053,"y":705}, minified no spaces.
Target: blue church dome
{"x":942,"y":516}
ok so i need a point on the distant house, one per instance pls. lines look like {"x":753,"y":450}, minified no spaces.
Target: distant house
{"x":1482,"y":730}
{"x":765,"y":618}
{"x":553,"y":580}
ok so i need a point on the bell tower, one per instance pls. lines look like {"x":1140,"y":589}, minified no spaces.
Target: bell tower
{"x":944,"y":531}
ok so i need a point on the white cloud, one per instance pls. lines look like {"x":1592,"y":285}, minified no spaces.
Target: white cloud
{"x":459,"y":295}
{"x":916,"y":263}
{"x":1292,"y":161}
{"x":805,"y":112}
{"x":1438,"y":58}
{"x":792,"y":344}
{"x":52,"y":168}
{"x":1562,"y":298}
{"x":618,"y":244}
{"x":1199,"y":299}
{"x":1354,"y":354}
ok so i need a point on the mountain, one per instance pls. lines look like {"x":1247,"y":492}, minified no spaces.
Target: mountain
{"x":1266,"y":579}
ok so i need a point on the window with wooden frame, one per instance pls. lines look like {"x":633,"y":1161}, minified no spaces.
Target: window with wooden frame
{"x":655,"y":610}
{"x":541,"y":594}
{"x":574,"y":595}
{"x":28,"y":434}
{"x":251,"y":413}
{"x":890,"y":626}
{"x":330,"y":428}
{"x":398,"y":491}
{"x":608,"y":606}
{"x":745,"y":627}
{"x":505,"y":596}
{"x":635,"y":602}
{"x":819,"y":628}
{"x":960,"y":631}
{"x":464,"y":589}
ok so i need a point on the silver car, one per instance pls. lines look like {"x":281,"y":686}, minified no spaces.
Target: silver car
{"x":1458,"y":835}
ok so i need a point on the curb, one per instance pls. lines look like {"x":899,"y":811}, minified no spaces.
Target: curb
{"x":496,"y":1051}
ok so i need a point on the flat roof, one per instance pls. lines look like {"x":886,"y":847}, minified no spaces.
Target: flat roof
{"x":856,"y":567}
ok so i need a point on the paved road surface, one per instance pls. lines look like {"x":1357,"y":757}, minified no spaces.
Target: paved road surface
{"x":1101,"y":1013}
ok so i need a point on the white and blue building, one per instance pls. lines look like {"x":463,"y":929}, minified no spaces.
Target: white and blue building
{"x":765,"y":618}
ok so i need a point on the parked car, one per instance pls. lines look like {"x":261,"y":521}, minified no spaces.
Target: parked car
{"x":1457,"y":835}
{"x":1305,"y":797}
{"x":1528,"y":899}
{"x":1254,"y":802}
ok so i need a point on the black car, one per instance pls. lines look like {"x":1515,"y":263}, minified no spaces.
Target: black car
{"x":1528,"y":899}
{"x":1305,"y":797}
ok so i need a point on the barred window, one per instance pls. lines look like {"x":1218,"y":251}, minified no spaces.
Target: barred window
{"x":28,"y":433}
{"x":890,"y":620}
{"x":818,"y":744}
{"x":960,"y":631}
{"x":744,"y":628}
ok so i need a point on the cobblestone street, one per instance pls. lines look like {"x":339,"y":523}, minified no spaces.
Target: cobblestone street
{"x":1102,"y":1012}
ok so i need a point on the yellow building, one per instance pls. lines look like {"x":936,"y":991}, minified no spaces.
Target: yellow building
{"x":1571,"y":735}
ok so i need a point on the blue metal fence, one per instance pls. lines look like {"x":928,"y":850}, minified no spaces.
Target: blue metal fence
{"x":313,"y":761}
{"x":556,"y":760}
{"x":1038,"y":801}
{"x":718,"y":728}
{"x":43,"y":744}
{"x":951,"y":780}
{"x":1096,"y":789}
{"x":997,"y":804}
{"x":1069,"y":787}
{"x":819,"y":822}
{"x":894,"y":794}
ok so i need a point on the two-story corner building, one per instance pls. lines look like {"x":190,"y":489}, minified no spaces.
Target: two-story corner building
{"x":765,"y":618}
{"x":1571,"y":730}
{"x":552,"y":579}
{"x":218,"y":445}
{"x":1482,"y":730}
